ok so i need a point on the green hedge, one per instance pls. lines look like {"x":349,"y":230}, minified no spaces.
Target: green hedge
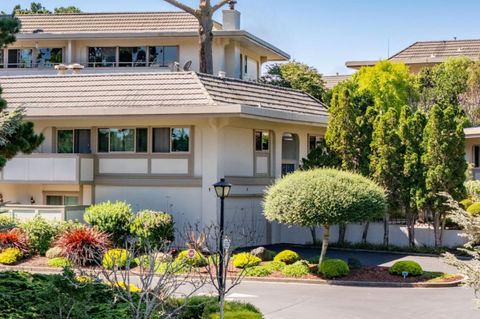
{"x":40,"y":234}
{"x":334,"y":268}
{"x":410,"y":266}
{"x":287,"y":256}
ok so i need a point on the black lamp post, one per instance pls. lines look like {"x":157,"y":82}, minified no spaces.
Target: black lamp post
{"x":222,"y":189}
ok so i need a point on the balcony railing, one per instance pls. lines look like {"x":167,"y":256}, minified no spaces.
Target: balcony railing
{"x":49,"y":212}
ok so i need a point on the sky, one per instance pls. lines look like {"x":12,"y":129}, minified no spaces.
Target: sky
{"x":326,"y":33}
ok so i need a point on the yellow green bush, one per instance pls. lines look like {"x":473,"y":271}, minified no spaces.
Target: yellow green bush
{"x":287,"y":256}
{"x":10,"y":256}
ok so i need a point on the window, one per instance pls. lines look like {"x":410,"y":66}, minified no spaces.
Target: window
{"x":163,"y":56}
{"x":48,"y":57}
{"x":174,"y":140}
{"x":66,"y":200}
{"x":122,"y":140}
{"x":241,"y":66}
{"x":73,"y":141}
{"x":102,"y":57}
{"x":246,"y":64}
{"x":476,"y":156}
{"x":287,"y":168}
{"x":20,"y":58}
{"x":136,"y":56}
{"x":2,"y":60}
{"x":314,"y":141}
{"x":262,"y":141}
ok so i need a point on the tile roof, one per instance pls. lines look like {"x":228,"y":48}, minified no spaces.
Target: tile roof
{"x":109,"y":22}
{"x":332,"y":80}
{"x":127,"y":93}
{"x":425,"y":50}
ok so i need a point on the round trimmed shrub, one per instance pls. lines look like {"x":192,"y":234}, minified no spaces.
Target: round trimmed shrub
{"x":111,"y":218}
{"x":40,"y":234}
{"x":245,"y":260}
{"x":153,"y":228}
{"x":334,"y":268}
{"x":10,"y":256}
{"x":115,"y":258}
{"x":296,"y":270}
{"x":59,"y":262}
{"x":287,"y":256}
{"x":410,"y":266}
{"x":198,"y":259}
{"x":54,"y":252}
{"x":466,"y":203}
{"x":275,"y":265}
{"x":474,"y":209}
{"x":258,"y":271}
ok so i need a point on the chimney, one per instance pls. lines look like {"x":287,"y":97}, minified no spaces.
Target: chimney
{"x":222,"y":74}
{"x":231,"y":18}
{"x":61,"y":68}
{"x":76,"y":68}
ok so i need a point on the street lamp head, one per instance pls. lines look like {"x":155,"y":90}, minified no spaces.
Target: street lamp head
{"x":222,"y":188}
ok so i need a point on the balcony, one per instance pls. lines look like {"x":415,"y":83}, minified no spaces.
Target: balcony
{"x":41,"y":168}
{"x":49,"y":212}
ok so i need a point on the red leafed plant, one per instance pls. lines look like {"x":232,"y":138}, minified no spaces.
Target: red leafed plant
{"x":84,"y":245}
{"x":14,"y":238}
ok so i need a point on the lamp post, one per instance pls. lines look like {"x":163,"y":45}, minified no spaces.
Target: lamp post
{"x":222,"y":189}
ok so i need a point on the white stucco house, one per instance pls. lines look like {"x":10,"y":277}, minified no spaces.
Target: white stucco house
{"x":128,"y":127}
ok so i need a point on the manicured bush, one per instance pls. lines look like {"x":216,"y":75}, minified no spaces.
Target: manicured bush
{"x":296,"y":270}
{"x":198,"y":259}
{"x":245,"y":260}
{"x":334,"y":268}
{"x":10,"y":256}
{"x":473,"y":190}
{"x":275,"y":265}
{"x":233,"y":310}
{"x":40,"y":234}
{"x":54,"y":252}
{"x":111,"y":218}
{"x":84,"y":246}
{"x":130,"y":287}
{"x":60,"y":262}
{"x":14,"y":238}
{"x":466,"y":203}
{"x":258,"y":271}
{"x":287,"y":256}
{"x":410,"y":266}
{"x":115,"y":258}
{"x":7,"y":222}
{"x":474,"y":209}
{"x":153,"y":228}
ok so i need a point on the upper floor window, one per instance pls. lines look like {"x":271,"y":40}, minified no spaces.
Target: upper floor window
{"x":163,"y":56}
{"x":20,"y":58}
{"x":135,"y":56}
{"x":48,"y":57}
{"x":262,"y":141}
{"x":476,"y":156}
{"x":127,"y":140}
{"x":102,"y":57}
{"x":73,"y":141}
{"x":314,"y":141}
{"x":171,"y":140}
{"x":2,"y":59}
{"x":246,"y":64}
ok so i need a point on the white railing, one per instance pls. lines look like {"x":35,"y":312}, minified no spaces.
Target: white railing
{"x":49,"y":212}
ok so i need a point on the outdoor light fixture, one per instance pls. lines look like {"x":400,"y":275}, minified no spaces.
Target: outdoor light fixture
{"x":222,"y":188}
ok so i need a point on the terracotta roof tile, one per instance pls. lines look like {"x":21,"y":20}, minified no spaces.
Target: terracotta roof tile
{"x":439,"y":50}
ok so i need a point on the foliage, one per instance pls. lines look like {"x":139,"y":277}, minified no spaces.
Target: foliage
{"x":127,"y":287}
{"x":334,"y":268}
{"x":115,"y":258}
{"x":295,"y":270}
{"x":297,"y":76}
{"x":354,"y":263}
{"x":470,"y":99}
{"x":474,"y":209}
{"x":321,"y":156}
{"x":111,"y":218}
{"x":10,"y":256}
{"x":14,"y":238}
{"x":198,"y":259}
{"x":287,"y":256}
{"x":7,"y":222}
{"x":153,"y":228}
{"x":83,"y":246}
{"x":59,"y":262}
{"x":233,"y":310}
{"x":410,"y":266}
{"x":54,"y":252}
{"x":70,"y":9}
{"x":40,"y":234}
{"x":275,"y":265}
{"x":35,"y":8}
{"x":473,"y":190}
{"x":258,"y":271}
{"x":466,"y":203}
{"x":245,"y":260}
{"x":9,"y":26}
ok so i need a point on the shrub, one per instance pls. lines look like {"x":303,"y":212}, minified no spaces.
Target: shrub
{"x":233,"y":310}
{"x":287,"y":256}
{"x":245,"y":260}
{"x":153,"y":228}
{"x":54,"y":252}
{"x":59,"y":262}
{"x":7,"y":222}
{"x":10,"y":256}
{"x":115,"y":258}
{"x":334,"y":268}
{"x":473,"y":190}
{"x":275,"y":265}
{"x":198,"y":259}
{"x":296,"y":270}
{"x":40,"y":234}
{"x":258,"y":271}
{"x":83,"y":246}
{"x":354,"y":263}
{"x":14,"y":238}
{"x":111,"y":218}
{"x":410,"y":266}
{"x":474,"y":209}
{"x":466,"y":203}
{"x":130,"y":287}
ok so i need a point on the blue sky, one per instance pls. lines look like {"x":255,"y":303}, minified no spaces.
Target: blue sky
{"x":326,"y":33}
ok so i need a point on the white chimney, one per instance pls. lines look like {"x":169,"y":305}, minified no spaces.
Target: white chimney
{"x":231,"y":19}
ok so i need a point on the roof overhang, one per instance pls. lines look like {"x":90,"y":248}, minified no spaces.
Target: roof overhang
{"x":472,"y":132}
{"x":358,"y":64}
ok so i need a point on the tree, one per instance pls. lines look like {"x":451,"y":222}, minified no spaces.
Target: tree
{"x":321,"y":156}
{"x":444,"y":161}
{"x":35,"y":8}
{"x":297,"y":76}
{"x":204,"y":14}
{"x":470,"y":100}
{"x":70,"y":9}
{"x":323,"y":197}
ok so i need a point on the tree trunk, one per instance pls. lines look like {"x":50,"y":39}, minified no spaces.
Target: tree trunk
{"x":436,"y":228}
{"x":442,"y":230}
{"x":365,"y":232}
{"x":326,"y":237}
{"x":342,"y":230}
{"x":205,"y":33}
{"x":313,"y":231}
{"x":222,"y":305}
{"x":410,"y":218}
{"x":386,"y":223}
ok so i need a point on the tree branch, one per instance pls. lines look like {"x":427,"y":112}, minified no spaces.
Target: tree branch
{"x":183,"y":7}
{"x":219,"y":5}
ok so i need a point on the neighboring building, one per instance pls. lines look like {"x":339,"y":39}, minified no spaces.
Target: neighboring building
{"x":141,"y":133}
{"x":332,"y":80}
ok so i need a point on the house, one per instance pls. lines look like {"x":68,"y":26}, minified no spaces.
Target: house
{"x":128,"y":127}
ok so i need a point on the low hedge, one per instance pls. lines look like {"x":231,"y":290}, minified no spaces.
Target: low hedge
{"x":198,"y":259}
{"x":258,"y":271}
{"x":59,"y":262}
{"x":245,"y":260}
{"x":296,"y":270}
{"x":410,"y":266}
{"x":275,"y":265}
{"x":334,"y":268}
{"x":10,"y":256}
{"x":287,"y":256}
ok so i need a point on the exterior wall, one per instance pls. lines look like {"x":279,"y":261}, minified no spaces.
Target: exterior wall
{"x":469,"y":156}
{"x":21,"y":193}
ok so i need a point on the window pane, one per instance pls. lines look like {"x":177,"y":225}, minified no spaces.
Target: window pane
{"x":180,"y":139}
{"x":2,"y":59}
{"x":65,"y":141}
{"x":103,"y":140}
{"x":265,"y":141}
{"x":102,"y":57}
{"x":54,"y":200}
{"x":82,"y":142}
{"x":20,"y":58}
{"x":71,"y":201}
{"x":170,"y":55}
{"x":47,"y":57}
{"x":142,"y":140}
{"x":258,"y":141}
{"x":156,"y":56}
{"x":133,"y":56}
{"x":122,"y":140}
{"x":476,"y":154}
{"x":161,"y":140}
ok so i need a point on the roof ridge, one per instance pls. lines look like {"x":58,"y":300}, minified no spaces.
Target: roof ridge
{"x":102,"y":13}
{"x":405,"y":49}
